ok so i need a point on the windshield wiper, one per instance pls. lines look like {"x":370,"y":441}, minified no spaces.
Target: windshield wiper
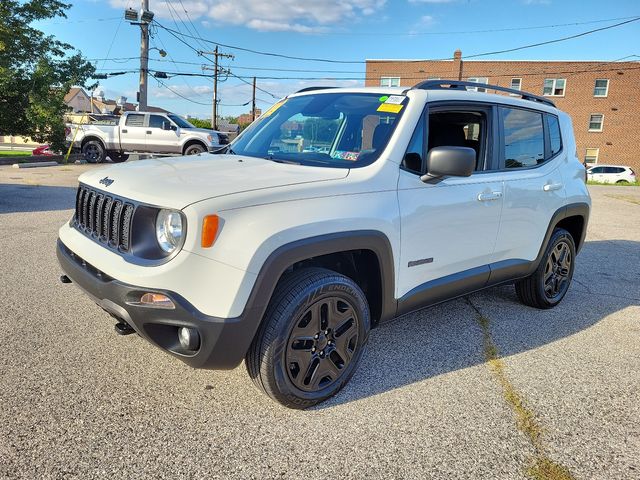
{"x":280,"y":160}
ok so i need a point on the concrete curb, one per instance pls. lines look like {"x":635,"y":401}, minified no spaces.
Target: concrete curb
{"x":35,"y":164}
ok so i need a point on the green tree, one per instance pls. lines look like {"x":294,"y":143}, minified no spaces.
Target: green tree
{"x":36,"y":71}
{"x":198,"y":122}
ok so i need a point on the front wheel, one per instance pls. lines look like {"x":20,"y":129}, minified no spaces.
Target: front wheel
{"x":194,"y":149}
{"x":547,"y":286}
{"x":117,"y":157}
{"x":312,"y":337}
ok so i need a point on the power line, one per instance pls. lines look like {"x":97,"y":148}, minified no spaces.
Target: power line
{"x":326,"y":60}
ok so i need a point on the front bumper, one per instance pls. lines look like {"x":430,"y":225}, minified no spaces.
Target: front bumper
{"x":223,"y":341}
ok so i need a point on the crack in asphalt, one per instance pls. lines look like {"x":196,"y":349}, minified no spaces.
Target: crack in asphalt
{"x":541,"y":466}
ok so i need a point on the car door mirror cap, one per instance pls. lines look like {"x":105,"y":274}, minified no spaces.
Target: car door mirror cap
{"x":449,"y":161}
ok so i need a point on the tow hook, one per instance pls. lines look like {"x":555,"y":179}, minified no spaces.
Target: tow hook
{"x":123,"y":328}
{"x":65,"y":279}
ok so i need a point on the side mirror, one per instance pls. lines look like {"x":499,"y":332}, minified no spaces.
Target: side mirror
{"x":449,"y":162}
{"x":167,"y":126}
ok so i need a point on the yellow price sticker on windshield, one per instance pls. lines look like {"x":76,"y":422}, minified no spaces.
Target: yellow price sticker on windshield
{"x":390,"y":108}
{"x":275,"y":107}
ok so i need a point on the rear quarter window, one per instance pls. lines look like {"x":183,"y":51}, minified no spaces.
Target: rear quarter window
{"x":555,"y":138}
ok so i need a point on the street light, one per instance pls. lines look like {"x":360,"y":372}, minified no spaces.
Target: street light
{"x":160,"y":51}
{"x":146,"y":16}
{"x":131,"y":15}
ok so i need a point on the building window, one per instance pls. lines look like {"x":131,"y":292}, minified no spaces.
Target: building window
{"x":591,"y":156}
{"x":389,"y":81}
{"x":516,"y":83}
{"x":554,"y":87}
{"x":601,"y":88}
{"x":595,"y":122}
{"x":484,"y":80}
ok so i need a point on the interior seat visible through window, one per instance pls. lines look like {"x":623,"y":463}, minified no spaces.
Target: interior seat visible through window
{"x":458,"y":129}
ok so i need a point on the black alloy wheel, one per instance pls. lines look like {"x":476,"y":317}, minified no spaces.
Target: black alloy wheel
{"x":557,"y":269}
{"x":311,"y":339}
{"x":322,"y":343}
{"x":93,"y":151}
{"x":549,"y":283}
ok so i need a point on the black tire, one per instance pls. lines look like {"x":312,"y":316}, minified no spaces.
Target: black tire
{"x":117,"y":157}
{"x":547,"y":286}
{"x":622,"y":181}
{"x":284,"y":343}
{"x":194,"y":149}
{"x":93,"y":151}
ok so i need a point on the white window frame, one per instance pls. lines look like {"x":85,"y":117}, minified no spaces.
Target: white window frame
{"x":601,"y":122}
{"x":606,"y":91}
{"x":553,"y":87}
{"x":519,"y":87}
{"x":484,"y":80}
{"x":389,"y":81}
{"x":597,"y":156}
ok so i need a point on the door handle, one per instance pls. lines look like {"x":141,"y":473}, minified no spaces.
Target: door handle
{"x":149,"y":132}
{"x":550,"y":187}
{"x":483,"y":197}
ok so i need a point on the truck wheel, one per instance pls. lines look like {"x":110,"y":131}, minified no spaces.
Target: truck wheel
{"x":93,"y":151}
{"x":117,"y":157}
{"x":311,"y":339}
{"x":194,"y":149}
{"x":547,"y":286}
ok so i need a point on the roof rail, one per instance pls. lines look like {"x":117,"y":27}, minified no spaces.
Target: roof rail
{"x":457,"y":84}
{"x":309,"y":89}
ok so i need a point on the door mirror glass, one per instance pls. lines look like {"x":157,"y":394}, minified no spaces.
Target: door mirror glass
{"x":166,"y":125}
{"x":450,"y":162}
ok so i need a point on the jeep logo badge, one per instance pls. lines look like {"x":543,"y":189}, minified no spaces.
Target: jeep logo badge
{"x":106,"y":181}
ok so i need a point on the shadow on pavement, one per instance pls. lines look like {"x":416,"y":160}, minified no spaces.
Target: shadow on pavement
{"x":447,"y":337}
{"x":16,"y":198}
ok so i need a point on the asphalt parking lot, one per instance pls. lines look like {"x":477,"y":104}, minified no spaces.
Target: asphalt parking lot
{"x":429,"y":400}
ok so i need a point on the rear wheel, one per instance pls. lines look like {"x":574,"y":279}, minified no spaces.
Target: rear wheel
{"x":93,"y":151}
{"x":312,"y":337}
{"x":194,"y":149}
{"x":547,"y":286}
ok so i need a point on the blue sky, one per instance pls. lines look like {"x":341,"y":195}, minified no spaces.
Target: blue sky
{"x":346,"y":30}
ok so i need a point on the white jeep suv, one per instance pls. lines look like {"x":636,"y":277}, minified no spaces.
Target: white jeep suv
{"x":334,"y":211}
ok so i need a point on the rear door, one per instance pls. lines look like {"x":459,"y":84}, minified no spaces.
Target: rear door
{"x":159,"y":138}
{"x":531,"y":153}
{"x":449,"y":227}
{"x":133,"y":133}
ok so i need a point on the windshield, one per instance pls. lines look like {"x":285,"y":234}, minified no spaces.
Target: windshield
{"x":181,"y":122}
{"x":327,"y":129}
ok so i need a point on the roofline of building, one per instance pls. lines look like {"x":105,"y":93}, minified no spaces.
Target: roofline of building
{"x":388,"y":60}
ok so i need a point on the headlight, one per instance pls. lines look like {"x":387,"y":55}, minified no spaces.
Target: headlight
{"x":169,"y":230}
{"x":210,"y":138}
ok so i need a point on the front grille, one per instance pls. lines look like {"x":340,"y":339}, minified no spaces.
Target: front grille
{"x":104,"y":218}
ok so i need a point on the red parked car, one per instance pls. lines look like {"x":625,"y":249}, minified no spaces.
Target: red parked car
{"x":42,"y":150}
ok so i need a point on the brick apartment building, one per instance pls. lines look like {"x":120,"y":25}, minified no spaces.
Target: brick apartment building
{"x":603,"y":98}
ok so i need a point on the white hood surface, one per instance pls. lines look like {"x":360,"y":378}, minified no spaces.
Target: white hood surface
{"x":180,"y":181}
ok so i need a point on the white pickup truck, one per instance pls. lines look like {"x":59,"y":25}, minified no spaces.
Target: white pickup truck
{"x":142,"y":132}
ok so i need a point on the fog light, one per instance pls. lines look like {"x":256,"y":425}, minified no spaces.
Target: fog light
{"x":157,"y":300}
{"x":189,"y":338}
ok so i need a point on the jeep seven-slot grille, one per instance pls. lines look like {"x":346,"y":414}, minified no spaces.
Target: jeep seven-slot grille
{"x":104,"y":218}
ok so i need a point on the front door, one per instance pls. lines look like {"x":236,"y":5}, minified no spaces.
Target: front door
{"x":159,"y":138}
{"x":448,"y":228}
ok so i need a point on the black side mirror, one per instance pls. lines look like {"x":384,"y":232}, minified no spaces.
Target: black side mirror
{"x":449,"y":162}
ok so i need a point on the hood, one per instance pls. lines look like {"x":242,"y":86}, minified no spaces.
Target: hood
{"x":180,"y":181}
{"x":202,"y":131}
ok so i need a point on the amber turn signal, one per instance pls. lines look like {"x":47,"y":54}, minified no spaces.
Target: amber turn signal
{"x":209,"y":230}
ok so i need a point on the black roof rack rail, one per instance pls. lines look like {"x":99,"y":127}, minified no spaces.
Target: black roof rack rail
{"x":309,"y":89}
{"x":458,"y":84}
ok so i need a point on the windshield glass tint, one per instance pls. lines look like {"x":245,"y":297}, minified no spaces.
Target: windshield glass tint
{"x":330,"y":129}
{"x":181,"y":122}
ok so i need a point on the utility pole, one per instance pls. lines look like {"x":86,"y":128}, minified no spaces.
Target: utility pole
{"x":216,"y":72}
{"x":253,"y":103}
{"x":144,"y":59}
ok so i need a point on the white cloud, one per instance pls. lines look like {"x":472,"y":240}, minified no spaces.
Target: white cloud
{"x":432,"y":1}
{"x":302,"y":16}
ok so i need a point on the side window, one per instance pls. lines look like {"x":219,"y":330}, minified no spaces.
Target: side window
{"x":413,"y":158}
{"x":554,"y":134}
{"x":135,"y":120}
{"x":156,"y":121}
{"x":597,"y":170}
{"x":459,"y":128}
{"x":523,"y":138}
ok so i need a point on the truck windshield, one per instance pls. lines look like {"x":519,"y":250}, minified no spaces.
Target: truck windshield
{"x":325,"y":129}
{"x":181,"y":122}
